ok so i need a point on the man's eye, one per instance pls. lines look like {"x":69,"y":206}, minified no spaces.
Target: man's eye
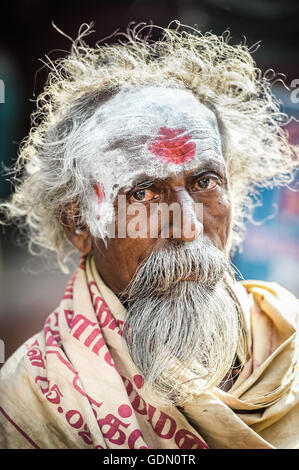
{"x":205,"y":183}
{"x":142,"y":195}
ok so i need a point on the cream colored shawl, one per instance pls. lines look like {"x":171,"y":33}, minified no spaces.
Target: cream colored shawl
{"x":74,"y":385}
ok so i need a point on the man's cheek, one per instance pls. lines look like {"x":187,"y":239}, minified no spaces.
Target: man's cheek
{"x":217,"y":222}
{"x":137,"y":221}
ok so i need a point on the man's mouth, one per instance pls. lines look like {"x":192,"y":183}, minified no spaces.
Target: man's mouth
{"x":192,"y":276}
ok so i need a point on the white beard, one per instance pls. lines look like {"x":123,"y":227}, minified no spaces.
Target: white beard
{"x":182,"y":335}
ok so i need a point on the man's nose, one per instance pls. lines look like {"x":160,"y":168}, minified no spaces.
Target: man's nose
{"x":187,"y":219}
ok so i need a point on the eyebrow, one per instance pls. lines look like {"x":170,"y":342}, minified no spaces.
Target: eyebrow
{"x":145,"y":180}
{"x":209,"y":165}
{"x":206,"y":165}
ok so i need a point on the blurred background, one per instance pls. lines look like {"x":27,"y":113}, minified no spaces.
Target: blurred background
{"x":30,"y":288}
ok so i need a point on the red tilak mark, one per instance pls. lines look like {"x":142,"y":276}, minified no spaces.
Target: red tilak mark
{"x":171,"y":148}
{"x":100,"y":193}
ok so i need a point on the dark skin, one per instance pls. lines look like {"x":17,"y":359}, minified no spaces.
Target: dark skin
{"x":118,"y":261}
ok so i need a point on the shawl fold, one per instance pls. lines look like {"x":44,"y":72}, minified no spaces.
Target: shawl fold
{"x":74,"y":384}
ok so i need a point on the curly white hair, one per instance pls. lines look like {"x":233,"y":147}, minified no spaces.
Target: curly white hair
{"x":225,"y":77}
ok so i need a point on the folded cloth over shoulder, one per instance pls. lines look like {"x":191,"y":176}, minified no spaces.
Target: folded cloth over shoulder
{"x":74,"y":384}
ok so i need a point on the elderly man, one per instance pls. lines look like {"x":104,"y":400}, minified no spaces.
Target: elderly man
{"x":154,"y":343}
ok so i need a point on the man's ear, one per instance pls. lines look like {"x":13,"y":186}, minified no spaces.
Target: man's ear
{"x":77,"y":233}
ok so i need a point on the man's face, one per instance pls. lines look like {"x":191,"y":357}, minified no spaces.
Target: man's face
{"x":119,"y":260}
{"x":183,"y":166}
{"x":181,"y":326}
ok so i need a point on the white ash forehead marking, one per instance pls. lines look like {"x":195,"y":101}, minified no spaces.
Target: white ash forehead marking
{"x":143,"y":111}
{"x":126,"y":124}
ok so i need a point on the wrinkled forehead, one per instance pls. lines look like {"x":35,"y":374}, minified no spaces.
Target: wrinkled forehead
{"x":141,"y":112}
{"x":156,"y":131}
{"x":159,"y":102}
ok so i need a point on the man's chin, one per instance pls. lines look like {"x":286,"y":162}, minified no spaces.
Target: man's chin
{"x":183,"y":335}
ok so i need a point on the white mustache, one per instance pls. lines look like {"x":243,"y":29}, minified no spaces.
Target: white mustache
{"x":165,"y":268}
